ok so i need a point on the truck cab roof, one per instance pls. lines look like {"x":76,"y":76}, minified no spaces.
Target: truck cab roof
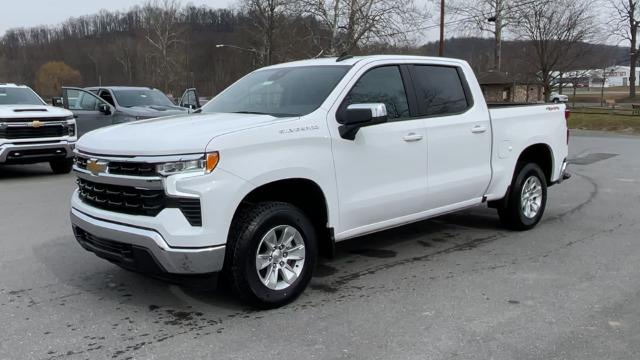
{"x":351,"y":61}
{"x":119,"y":88}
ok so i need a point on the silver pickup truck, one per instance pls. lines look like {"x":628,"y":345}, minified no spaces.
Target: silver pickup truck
{"x":32,"y":132}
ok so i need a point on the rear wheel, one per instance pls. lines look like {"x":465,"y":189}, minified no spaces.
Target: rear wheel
{"x":527,"y":199}
{"x":61,"y":166}
{"x":271,"y":255}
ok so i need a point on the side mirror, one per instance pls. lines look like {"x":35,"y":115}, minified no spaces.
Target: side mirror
{"x":57,"y":102}
{"x":105,"y":109}
{"x":356,"y":116}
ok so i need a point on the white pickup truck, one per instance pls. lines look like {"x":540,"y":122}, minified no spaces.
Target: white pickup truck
{"x":295,"y":157}
{"x":32,"y":132}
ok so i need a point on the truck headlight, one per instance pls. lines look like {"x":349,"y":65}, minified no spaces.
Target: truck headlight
{"x":70,"y":126}
{"x":204,"y":165}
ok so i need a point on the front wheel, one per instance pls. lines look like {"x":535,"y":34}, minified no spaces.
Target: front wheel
{"x":272,"y":252}
{"x":527,"y":199}
{"x":61,"y":166}
{"x":556,"y":101}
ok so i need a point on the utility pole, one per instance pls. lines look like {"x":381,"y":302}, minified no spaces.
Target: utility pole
{"x":497,"y":22}
{"x":441,"y":47}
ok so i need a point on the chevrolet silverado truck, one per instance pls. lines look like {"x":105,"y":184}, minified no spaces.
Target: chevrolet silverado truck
{"x":295,"y":157}
{"x":32,"y":132}
{"x":98,"y":107}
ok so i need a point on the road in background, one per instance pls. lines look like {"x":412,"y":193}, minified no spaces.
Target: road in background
{"x":458,"y":286}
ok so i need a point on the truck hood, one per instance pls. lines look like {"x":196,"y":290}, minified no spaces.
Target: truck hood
{"x":32,"y":111}
{"x":174,"y":135}
{"x":154,"y":111}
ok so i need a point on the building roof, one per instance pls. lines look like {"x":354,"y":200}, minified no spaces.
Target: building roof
{"x":494,"y":78}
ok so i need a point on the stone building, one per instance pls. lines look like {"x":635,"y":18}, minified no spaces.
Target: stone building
{"x":500,"y":87}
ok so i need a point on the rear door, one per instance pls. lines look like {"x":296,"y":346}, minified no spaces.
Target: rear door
{"x":458,"y":135}
{"x":91,"y":112}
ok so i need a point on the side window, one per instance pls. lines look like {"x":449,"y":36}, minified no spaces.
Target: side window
{"x":192,"y":98}
{"x":439,"y":90}
{"x":80,"y":100}
{"x":382,"y":85}
{"x":106,"y":96}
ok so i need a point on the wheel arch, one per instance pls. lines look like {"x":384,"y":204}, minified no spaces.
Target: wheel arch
{"x":540,"y":154}
{"x":305,"y":194}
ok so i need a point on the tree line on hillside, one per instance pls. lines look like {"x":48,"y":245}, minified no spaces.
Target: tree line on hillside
{"x":169,"y":46}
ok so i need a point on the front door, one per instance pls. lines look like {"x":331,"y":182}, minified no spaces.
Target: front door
{"x":91,"y":112}
{"x":190,"y":100}
{"x":381,"y":174}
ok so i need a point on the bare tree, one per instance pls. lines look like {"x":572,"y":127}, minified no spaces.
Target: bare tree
{"x":556,"y":37}
{"x":267,"y":17}
{"x":487,"y":16}
{"x":163,"y":29}
{"x":625,"y":28}
{"x":352,"y":23}
{"x":124,"y":51}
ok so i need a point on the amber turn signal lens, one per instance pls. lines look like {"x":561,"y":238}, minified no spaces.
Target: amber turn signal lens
{"x":212,"y":161}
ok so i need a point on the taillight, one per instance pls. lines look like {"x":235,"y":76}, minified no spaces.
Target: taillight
{"x":567,"y":114}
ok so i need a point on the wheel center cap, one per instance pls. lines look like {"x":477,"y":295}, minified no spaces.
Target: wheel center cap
{"x":277,"y":255}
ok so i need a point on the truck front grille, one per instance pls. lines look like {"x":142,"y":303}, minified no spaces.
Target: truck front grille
{"x":132,"y":169}
{"x":20,"y":132}
{"x":134,"y":201}
{"x":122,"y":199}
{"x":124,"y":168}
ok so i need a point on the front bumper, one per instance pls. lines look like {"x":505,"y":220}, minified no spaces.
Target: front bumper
{"x":142,"y":249}
{"x":17,"y":153}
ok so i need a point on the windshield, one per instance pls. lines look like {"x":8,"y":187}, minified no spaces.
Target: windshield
{"x":142,"y":97}
{"x":292,"y":91}
{"x":19,"y":96}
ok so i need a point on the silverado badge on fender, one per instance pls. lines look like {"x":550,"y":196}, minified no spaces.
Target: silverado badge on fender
{"x":96,"y":167}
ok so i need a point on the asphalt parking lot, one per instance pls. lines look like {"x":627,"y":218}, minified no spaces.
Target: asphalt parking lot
{"x":455,"y":287}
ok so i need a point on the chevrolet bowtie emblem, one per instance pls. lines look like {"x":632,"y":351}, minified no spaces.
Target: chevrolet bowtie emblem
{"x":96,"y":167}
{"x":37,"y":124}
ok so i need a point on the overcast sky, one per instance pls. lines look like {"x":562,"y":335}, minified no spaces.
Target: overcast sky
{"x":27,"y":13}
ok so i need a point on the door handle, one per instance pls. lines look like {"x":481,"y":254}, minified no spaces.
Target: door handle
{"x":478,"y":129}
{"x":411,"y":137}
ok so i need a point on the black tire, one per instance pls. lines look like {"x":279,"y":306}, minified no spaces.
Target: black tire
{"x":249,"y":227}
{"x":61,"y":166}
{"x":556,"y":101}
{"x":511,"y":213}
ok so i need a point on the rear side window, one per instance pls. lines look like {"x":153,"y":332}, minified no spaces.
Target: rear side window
{"x":439,"y":90}
{"x":382,"y":85}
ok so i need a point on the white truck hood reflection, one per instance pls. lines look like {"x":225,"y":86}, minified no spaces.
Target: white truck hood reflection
{"x":167,"y":136}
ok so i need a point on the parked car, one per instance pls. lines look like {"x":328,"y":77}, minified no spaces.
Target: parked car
{"x":97,"y":107}
{"x":32,"y":132}
{"x":558,"y":98}
{"x":295,"y":157}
